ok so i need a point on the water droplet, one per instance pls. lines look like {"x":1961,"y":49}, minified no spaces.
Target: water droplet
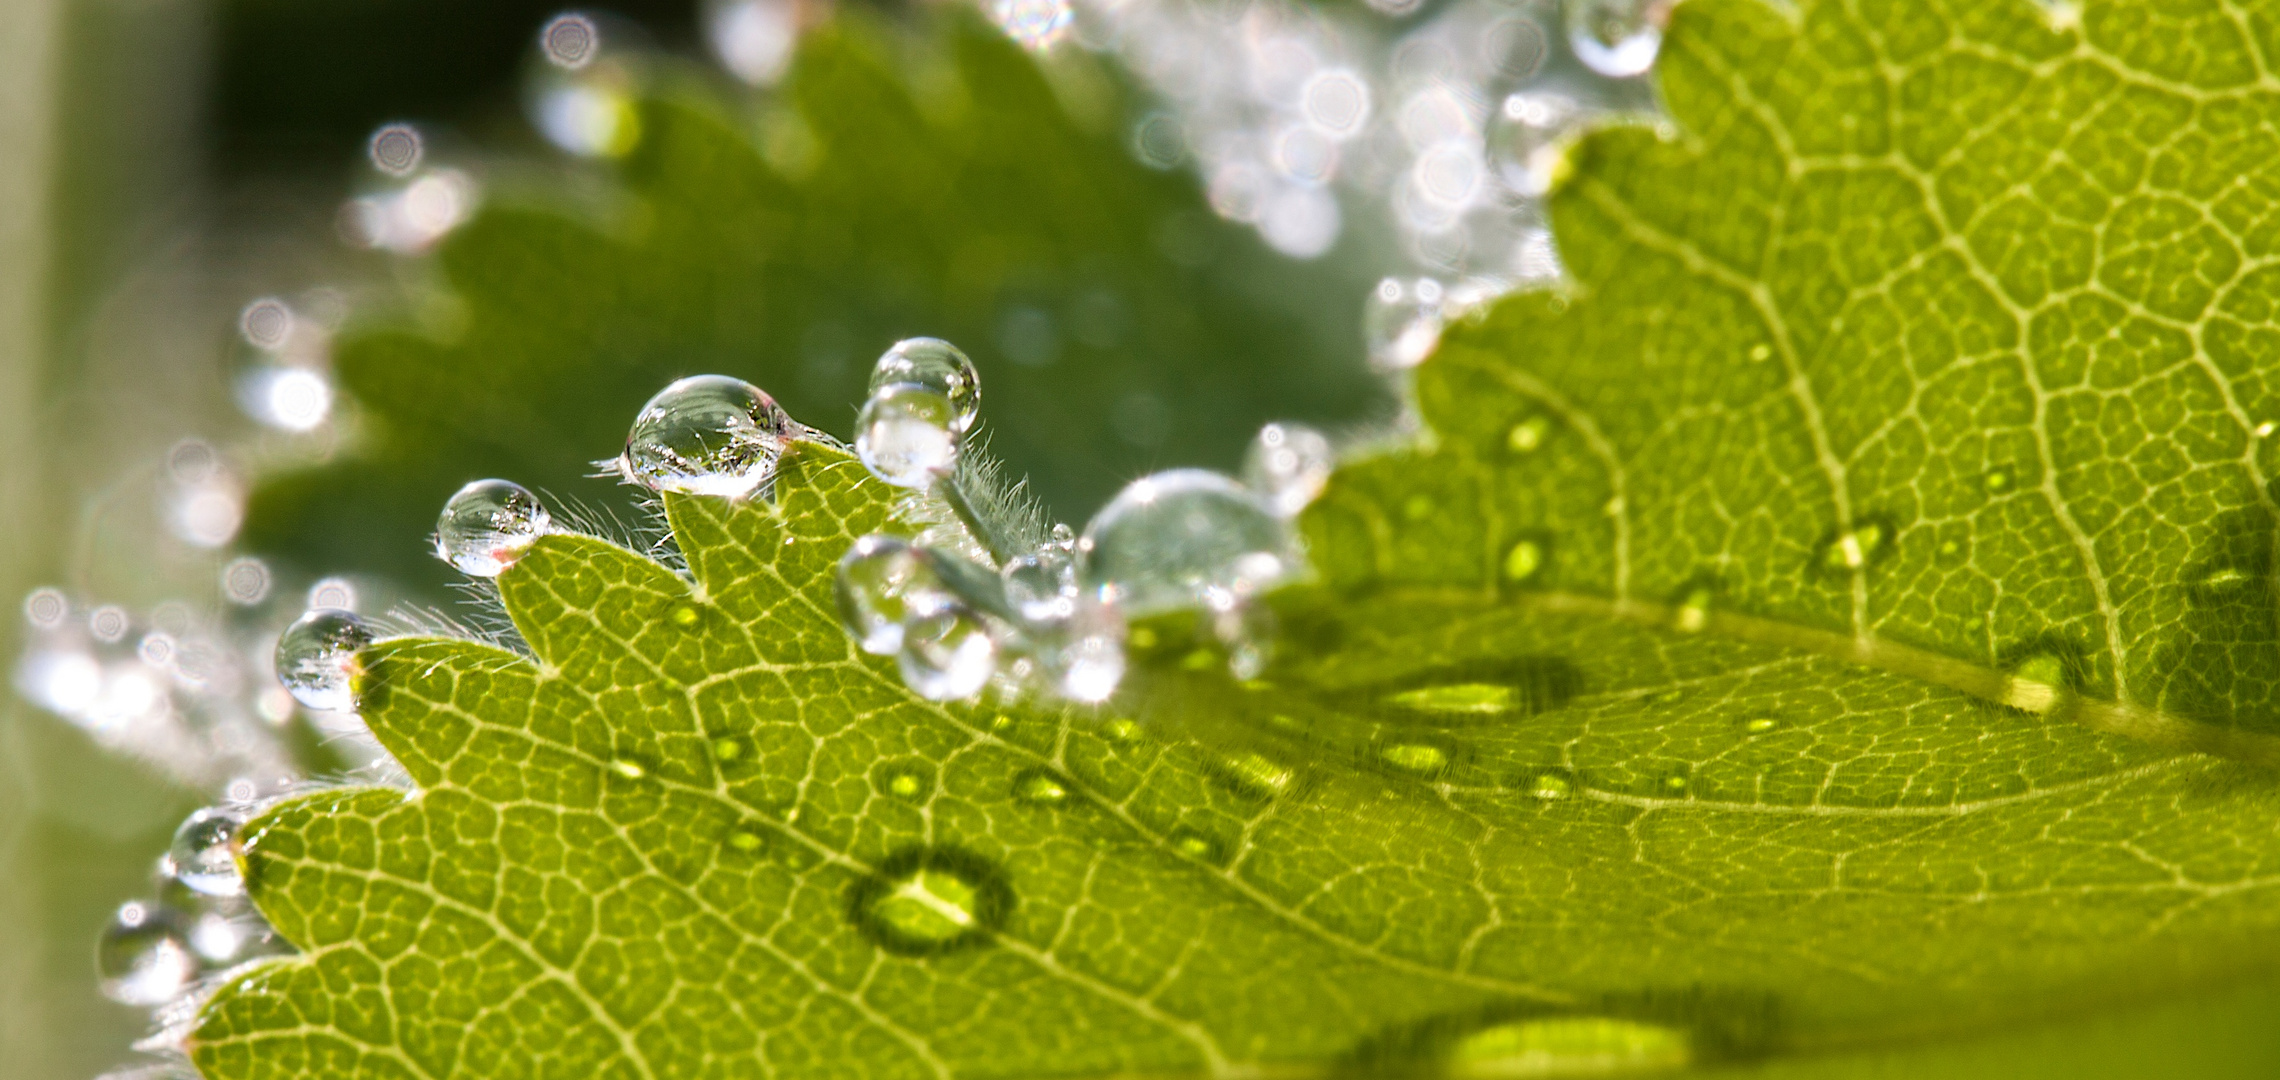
{"x":1760,"y":353}
{"x":1616,"y":38}
{"x":396,"y":150}
{"x":1122,"y":730}
{"x":904,"y":780}
{"x":1180,"y":539}
{"x":727,"y":749}
{"x":2265,"y":429}
{"x":316,"y":658}
{"x":222,"y":939}
{"x":878,"y":578}
{"x":1997,"y":480}
{"x":1041,"y":587}
{"x":904,"y":435}
{"x":1567,"y":1046}
{"x":628,"y":768}
{"x":947,"y":652}
{"x":1401,"y":322}
{"x":1760,"y":725}
{"x":202,"y":857}
{"x":1471,"y":699}
{"x":1196,"y":845}
{"x":1527,"y":436}
{"x":488,"y":525}
{"x":1086,"y":656}
{"x":1424,"y":759}
{"x":931,"y":900}
{"x":46,"y":608}
{"x":1033,"y":24}
{"x":935,"y":365}
{"x":1288,"y":466}
{"x":1522,"y":562}
{"x":1551,"y":785}
{"x":1417,"y":507}
{"x":1693,"y":613}
{"x":570,"y":41}
{"x":2225,"y":581}
{"x":1675,"y":782}
{"x":1040,"y":787}
{"x":2036,"y":684}
{"x":1258,"y":775}
{"x":746,"y":840}
{"x":144,"y":957}
{"x":1853,"y":550}
{"x":683,"y":615}
{"x":109,"y":623}
{"x":707,"y":435}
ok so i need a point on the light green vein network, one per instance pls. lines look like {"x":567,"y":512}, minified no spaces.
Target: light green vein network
{"x":1901,"y":435}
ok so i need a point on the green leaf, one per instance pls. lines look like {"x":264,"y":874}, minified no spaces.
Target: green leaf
{"x":1832,"y":625}
{"x":897,"y":184}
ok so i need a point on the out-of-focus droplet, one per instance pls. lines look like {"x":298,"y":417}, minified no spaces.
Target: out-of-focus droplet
{"x":1300,"y":221}
{"x":1040,"y":788}
{"x":66,"y":682}
{"x":396,"y":149}
{"x":1449,"y":174}
{"x":947,"y":650}
{"x":201,"y":855}
{"x":1336,"y":101}
{"x":877,"y":580}
{"x":1034,"y":24}
{"x":1159,"y":141}
{"x":1042,"y":586}
{"x":1567,"y":1046}
{"x":754,"y":38}
{"x":316,"y":658}
{"x":245,"y":581}
{"x":589,"y":118}
{"x":488,"y":525}
{"x":1514,"y":45}
{"x":288,"y":398}
{"x":1184,"y":538}
{"x":333,"y":592}
{"x":1288,"y":465}
{"x":707,"y":435}
{"x":266,"y":323}
{"x":144,"y":957}
{"x":1083,"y":653}
{"x":1616,"y":38}
{"x":222,"y":940}
{"x":570,"y":41}
{"x":936,"y":365}
{"x":108,"y":623}
{"x":1525,"y":138}
{"x":46,"y":608}
{"x":906,"y":435}
{"x":1402,"y":322}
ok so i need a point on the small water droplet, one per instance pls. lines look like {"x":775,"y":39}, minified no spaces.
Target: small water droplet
{"x":201,"y":855}
{"x":906,"y":435}
{"x":904,"y":780}
{"x":1950,"y":547}
{"x":1760,"y":353}
{"x":931,"y":900}
{"x":1853,"y":550}
{"x":683,"y":615}
{"x":2225,"y":580}
{"x":2265,"y":429}
{"x":1760,"y":725}
{"x":879,"y":578}
{"x":1567,"y":1046}
{"x":488,"y":525}
{"x":317,"y":658}
{"x":1616,"y":38}
{"x":2036,"y":684}
{"x":727,"y":749}
{"x":707,"y":435}
{"x":1041,"y":788}
{"x":1401,"y":322}
{"x":938,"y":366}
{"x":1181,"y":539}
{"x":221,"y":939}
{"x":1551,"y":785}
{"x":1998,"y":480}
{"x":1197,"y":846}
{"x":1122,"y":730}
{"x":1288,"y":466}
{"x":947,"y":652}
{"x":1417,"y":507}
{"x":628,"y":768}
{"x":1693,"y":614}
{"x":1675,"y":782}
{"x":746,"y":840}
{"x":143,"y":956}
{"x":1258,"y":775}
{"x":1522,"y":562}
{"x":1042,"y":586}
{"x":1424,"y":759}
{"x":1471,"y":699}
{"x":1527,"y":436}
{"x":1085,"y":654}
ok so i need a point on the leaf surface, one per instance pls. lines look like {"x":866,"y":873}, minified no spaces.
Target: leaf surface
{"x":1842,"y":618}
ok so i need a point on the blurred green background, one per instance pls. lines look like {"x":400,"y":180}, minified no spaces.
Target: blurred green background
{"x":164,"y":161}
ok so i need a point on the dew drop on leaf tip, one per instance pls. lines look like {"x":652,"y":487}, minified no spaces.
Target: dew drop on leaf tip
{"x":707,"y":435}
{"x":202,"y":855}
{"x":317,"y":658}
{"x":488,"y":525}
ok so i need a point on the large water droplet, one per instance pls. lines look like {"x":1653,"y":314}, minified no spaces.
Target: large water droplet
{"x":202,"y":856}
{"x":144,"y":957}
{"x":488,"y":525}
{"x":931,"y":900}
{"x":1616,"y":38}
{"x":938,"y":366}
{"x":906,"y":435}
{"x":316,"y":658}
{"x":707,"y":435}
{"x":1181,"y":539}
{"x":1289,"y":464}
{"x":1567,"y":1046}
{"x":948,"y":652}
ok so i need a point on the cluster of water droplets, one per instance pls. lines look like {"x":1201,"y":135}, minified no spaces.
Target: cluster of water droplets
{"x":1049,"y":612}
